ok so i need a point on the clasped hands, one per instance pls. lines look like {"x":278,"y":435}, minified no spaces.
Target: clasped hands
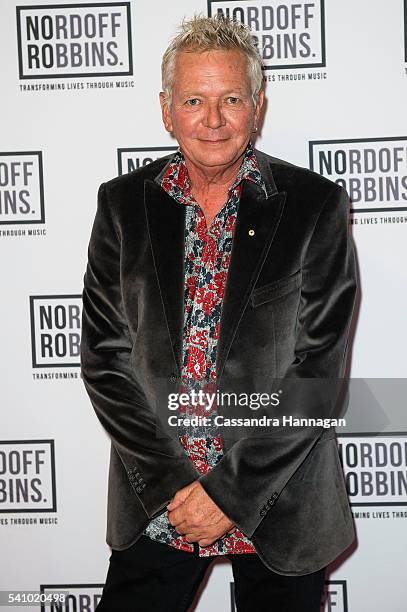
{"x":196,"y":516}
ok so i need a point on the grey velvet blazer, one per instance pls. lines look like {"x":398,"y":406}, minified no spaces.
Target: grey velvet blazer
{"x":286,"y":315}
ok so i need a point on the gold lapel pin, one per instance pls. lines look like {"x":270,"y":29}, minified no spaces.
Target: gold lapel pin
{"x":251,"y":232}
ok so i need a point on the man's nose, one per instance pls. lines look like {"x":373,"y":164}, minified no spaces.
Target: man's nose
{"x":214,"y":117}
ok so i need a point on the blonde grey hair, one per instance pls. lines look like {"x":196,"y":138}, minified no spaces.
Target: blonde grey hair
{"x":201,"y":34}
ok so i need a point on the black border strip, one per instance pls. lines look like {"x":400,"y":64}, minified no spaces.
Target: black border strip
{"x":405,"y":30}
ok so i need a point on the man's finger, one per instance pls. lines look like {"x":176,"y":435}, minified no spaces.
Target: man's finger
{"x":176,"y":516}
{"x":175,"y":503}
{"x":206,"y":542}
{"x":184,"y":528}
{"x":181,"y":496}
{"x":194,"y":536}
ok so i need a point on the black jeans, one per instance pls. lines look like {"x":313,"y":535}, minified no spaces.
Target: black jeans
{"x":154,"y":577}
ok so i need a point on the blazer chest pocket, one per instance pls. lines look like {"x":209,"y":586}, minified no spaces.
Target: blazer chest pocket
{"x":276,"y":289}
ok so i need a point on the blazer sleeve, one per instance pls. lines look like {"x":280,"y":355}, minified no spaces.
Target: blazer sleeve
{"x":157,"y":466}
{"x":248,"y":480}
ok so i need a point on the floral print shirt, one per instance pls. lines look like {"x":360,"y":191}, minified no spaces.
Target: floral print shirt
{"x":207,"y":257}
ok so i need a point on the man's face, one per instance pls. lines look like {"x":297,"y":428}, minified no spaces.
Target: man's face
{"x":212,"y":113}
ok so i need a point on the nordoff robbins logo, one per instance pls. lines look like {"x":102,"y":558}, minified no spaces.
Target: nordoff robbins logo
{"x":131,"y":159}
{"x":21,"y":188}
{"x":81,"y":598}
{"x":375,"y":469}
{"x":335,"y":596}
{"x":27,"y":476}
{"x":74,"y":40}
{"x":290,"y":33}
{"x":55,"y":330}
{"x":372,"y":170}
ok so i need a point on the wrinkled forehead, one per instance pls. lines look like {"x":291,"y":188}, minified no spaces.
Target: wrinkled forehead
{"x":211,"y":69}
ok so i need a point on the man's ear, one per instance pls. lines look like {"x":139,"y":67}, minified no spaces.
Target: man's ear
{"x":259,"y":106}
{"x":165,"y":111}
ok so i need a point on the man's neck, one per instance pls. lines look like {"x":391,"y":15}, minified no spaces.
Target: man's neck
{"x":212,"y":179}
{"x":211,"y":190}
{"x":209,"y":181}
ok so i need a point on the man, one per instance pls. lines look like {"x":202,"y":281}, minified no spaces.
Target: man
{"x":217,"y":265}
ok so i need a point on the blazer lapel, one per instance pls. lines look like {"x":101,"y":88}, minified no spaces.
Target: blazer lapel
{"x":257,"y":220}
{"x":258,"y":212}
{"x":165,"y":222}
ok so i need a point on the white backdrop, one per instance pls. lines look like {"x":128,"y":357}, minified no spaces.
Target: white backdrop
{"x":336,"y":91}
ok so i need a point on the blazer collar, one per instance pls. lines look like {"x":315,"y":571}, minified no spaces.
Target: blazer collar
{"x":262,"y":160}
{"x":257,"y":211}
{"x":265,"y":169}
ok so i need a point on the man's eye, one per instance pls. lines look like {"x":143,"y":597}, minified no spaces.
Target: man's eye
{"x":232,"y":100}
{"x":192,"y":102}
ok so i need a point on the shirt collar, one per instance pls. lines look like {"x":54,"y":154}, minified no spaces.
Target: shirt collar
{"x":176,"y":175}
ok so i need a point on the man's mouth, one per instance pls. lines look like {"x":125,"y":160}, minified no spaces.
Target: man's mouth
{"x":213,"y":141}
